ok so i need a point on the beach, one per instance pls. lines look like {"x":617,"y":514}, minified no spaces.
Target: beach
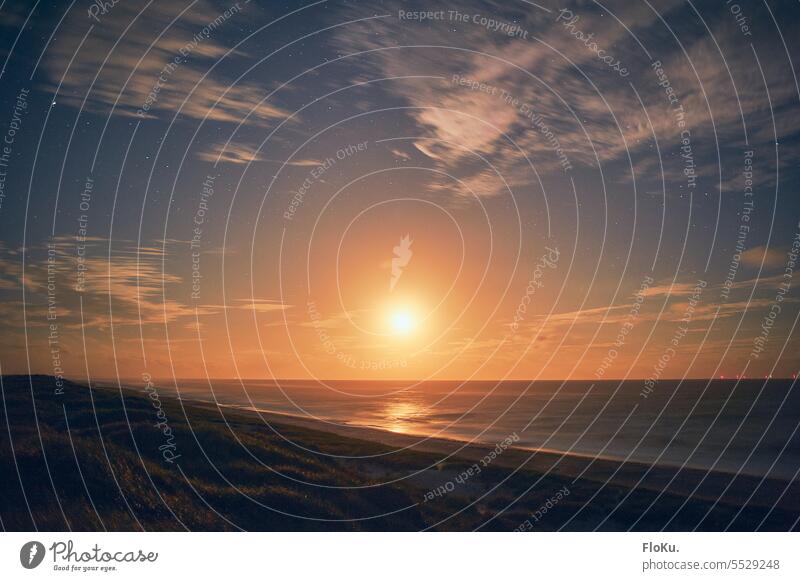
{"x":106,"y":458}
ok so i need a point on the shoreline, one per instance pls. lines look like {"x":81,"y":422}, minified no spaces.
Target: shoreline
{"x":616,"y":470}
{"x":259,"y":470}
{"x":544,"y":462}
{"x":603,"y":470}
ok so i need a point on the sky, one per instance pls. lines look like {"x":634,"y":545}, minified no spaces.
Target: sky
{"x":382,"y":190}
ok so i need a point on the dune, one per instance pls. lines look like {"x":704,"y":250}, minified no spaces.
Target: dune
{"x":128,"y":459}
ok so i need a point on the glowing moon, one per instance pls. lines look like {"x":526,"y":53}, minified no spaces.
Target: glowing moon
{"x":402,"y":322}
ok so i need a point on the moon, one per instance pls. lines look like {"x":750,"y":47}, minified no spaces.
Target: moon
{"x":402,"y":322}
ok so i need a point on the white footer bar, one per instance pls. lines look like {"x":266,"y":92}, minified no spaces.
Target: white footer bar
{"x":400,"y":556}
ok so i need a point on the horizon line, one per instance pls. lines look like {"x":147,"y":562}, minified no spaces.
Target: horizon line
{"x":418,"y":380}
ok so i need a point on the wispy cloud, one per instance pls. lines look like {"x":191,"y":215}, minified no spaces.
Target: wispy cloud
{"x":761,"y":255}
{"x":489,"y":86}
{"x":152,"y":58}
{"x":243,"y":154}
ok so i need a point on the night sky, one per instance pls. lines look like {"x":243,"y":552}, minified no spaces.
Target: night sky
{"x":586,"y":191}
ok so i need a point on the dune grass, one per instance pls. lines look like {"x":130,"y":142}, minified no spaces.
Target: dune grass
{"x":106,"y":472}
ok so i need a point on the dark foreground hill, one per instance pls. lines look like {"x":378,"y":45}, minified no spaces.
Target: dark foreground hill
{"x":107,"y":459}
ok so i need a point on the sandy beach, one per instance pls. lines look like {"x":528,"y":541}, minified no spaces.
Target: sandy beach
{"x":131,"y":460}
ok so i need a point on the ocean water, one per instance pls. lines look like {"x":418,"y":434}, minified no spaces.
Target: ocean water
{"x":749,"y":426}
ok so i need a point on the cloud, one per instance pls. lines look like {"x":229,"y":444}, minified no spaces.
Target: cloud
{"x":262,"y":305}
{"x":243,"y":154}
{"x":556,"y":100}
{"x":714,"y":311}
{"x":672,"y":289}
{"x":236,"y":153}
{"x":153,"y":58}
{"x":399,"y":153}
{"x":13,"y":15}
{"x":127,"y":285}
{"x":771,"y":257}
{"x":426,"y":150}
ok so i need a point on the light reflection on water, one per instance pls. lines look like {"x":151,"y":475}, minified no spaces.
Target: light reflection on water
{"x":724,"y":425}
{"x":398,"y":414}
{"x":402,"y":414}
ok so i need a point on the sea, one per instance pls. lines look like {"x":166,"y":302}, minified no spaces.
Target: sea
{"x":741,"y":426}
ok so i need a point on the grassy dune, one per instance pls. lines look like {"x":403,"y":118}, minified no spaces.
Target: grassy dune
{"x":91,"y":460}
